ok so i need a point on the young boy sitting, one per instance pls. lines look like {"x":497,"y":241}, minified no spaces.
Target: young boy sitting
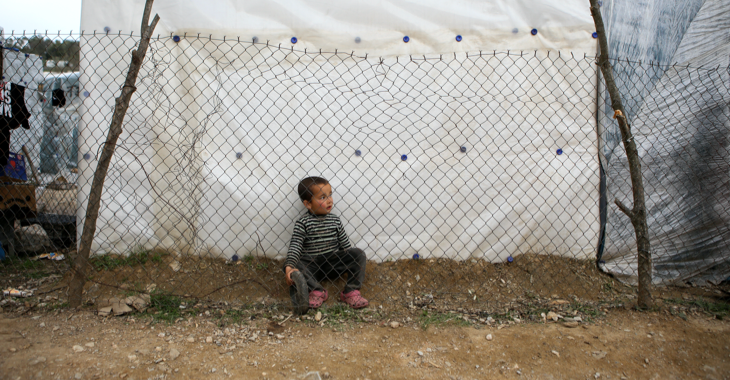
{"x":320,"y":248}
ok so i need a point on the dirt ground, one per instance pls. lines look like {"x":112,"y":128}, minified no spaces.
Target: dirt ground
{"x":539,"y":317}
{"x":672,"y":341}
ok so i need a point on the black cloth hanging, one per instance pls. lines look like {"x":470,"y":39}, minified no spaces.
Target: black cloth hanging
{"x":13,"y":114}
{"x":58,"y":98}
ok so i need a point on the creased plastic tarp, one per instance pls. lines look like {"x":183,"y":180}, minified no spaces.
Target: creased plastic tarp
{"x":681,"y":122}
{"x":219,"y":134}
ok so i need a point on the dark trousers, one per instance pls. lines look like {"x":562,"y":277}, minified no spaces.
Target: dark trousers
{"x":332,"y":266}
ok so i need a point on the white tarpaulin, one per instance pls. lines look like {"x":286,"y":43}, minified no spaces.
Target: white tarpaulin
{"x":219,"y":133}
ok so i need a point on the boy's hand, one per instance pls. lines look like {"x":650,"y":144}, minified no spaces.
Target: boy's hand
{"x":289,"y":271}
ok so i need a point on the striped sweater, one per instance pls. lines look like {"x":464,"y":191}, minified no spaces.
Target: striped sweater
{"x":316,"y":235}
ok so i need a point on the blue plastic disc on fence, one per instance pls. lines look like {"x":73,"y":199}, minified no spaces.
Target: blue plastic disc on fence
{"x":358,"y":153}
{"x":107,"y":29}
{"x":404,"y":157}
{"x":534,"y":32}
{"x":595,"y":35}
{"x":86,"y":94}
{"x":234,"y":258}
{"x":27,"y":55}
{"x":458,"y":38}
{"x":559,"y":152}
{"x":357,"y":40}
{"x":416,"y":256}
{"x":176,"y":38}
{"x":406,"y":39}
{"x":239,"y":155}
{"x":294,"y":40}
{"x":463,"y":149}
{"x":87,"y":156}
{"x":510,"y":259}
{"x":515,"y":30}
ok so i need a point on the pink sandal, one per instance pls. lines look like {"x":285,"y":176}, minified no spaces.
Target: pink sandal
{"x":354,"y":299}
{"x":317,"y":298}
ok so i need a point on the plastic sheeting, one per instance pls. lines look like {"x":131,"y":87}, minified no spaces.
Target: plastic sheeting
{"x":176,"y":181}
{"x":681,"y":120}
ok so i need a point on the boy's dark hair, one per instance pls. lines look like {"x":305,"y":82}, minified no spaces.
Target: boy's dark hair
{"x":305,"y":187}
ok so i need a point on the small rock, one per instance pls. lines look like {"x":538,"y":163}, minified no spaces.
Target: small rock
{"x":191,"y":339}
{"x":420,"y":353}
{"x":78,"y":348}
{"x":13,"y":349}
{"x":90,"y":344}
{"x":646,"y":361}
{"x":553,"y":316}
{"x":394,"y":325}
{"x":312,"y":376}
{"x":555,"y":353}
{"x":43,"y":324}
{"x":571,"y":325}
{"x":37,"y":360}
{"x":318,"y":317}
{"x":280,"y":337}
{"x":599,"y":354}
{"x":175,"y":266}
{"x":209,"y":339}
{"x":448,"y":364}
{"x":174,"y":354}
{"x":132,"y":357}
{"x":489,"y":337}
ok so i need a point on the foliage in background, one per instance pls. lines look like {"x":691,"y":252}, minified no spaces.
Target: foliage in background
{"x":56,"y":50}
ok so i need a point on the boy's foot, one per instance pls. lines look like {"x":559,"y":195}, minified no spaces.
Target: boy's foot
{"x":317,"y":298}
{"x":354,"y":299}
{"x":301,"y":294}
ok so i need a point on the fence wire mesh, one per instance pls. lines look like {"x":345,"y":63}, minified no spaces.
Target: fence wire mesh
{"x":479,"y":181}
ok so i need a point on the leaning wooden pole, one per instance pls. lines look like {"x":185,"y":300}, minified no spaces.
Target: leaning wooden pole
{"x":637,"y":214}
{"x":81,"y":263}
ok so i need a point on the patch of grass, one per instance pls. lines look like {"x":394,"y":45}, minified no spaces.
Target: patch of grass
{"x":138,"y":256}
{"x":58,"y":305}
{"x":262,"y":266}
{"x":430,"y":318}
{"x":21,"y":264}
{"x":720,"y":310}
{"x":233,"y":316}
{"x":166,"y":308}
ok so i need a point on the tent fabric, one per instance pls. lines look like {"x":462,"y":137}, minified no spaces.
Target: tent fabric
{"x":681,"y":119}
{"x":220,"y":132}
{"x":364,"y":27}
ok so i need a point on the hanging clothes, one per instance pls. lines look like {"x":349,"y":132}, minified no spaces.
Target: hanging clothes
{"x":13,"y":114}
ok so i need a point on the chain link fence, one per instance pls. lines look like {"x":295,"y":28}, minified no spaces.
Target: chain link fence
{"x":479,"y":181}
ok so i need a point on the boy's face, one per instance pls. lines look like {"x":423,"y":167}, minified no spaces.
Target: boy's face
{"x":322,"y":202}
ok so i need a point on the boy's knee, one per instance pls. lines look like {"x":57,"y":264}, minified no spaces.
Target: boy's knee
{"x":358,"y":254}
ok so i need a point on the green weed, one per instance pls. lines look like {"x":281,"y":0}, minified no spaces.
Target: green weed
{"x":430,"y":318}
{"x":719,"y":309}
{"x":166,"y":308}
{"x":137,"y":256}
